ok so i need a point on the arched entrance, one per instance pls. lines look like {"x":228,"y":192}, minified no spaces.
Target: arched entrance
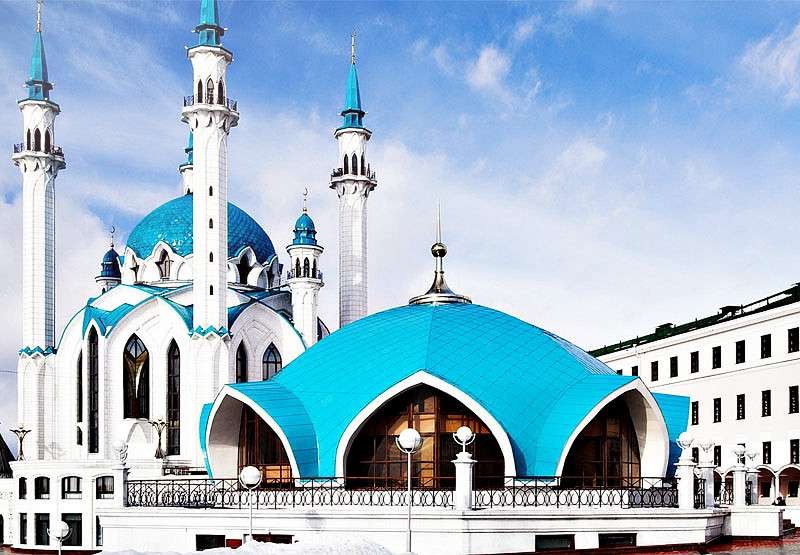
{"x":606,"y":452}
{"x":789,"y":484}
{"x":766,"y":485}
{"x":261,"y":447}
{"x":373,"y":458}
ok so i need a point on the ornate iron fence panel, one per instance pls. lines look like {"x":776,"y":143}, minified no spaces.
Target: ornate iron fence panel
{"x":748,"y":492}
{"x":725,"y":494}
{"x":699,"y":493}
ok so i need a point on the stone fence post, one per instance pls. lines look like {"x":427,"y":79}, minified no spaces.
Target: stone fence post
{"x":462,"y":496}
{"x":684,"y":472}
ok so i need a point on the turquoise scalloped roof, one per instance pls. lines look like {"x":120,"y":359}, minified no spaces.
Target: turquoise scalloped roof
{"x":304,"y":231}
{"x":538,"y":386}
{"x":172,"y":223}
{"x":37,"y":83}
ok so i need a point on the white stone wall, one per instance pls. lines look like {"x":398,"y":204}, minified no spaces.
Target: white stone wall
{"x":305,"y":290}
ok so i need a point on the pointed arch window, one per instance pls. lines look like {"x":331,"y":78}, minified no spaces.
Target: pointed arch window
{"x":211,"y":191}
{"x":363,"y":165}
{"x":209,"y":91}
{"x":79,"y":388}
{"x":297,"y":273}
{"x":220,"y":93}
{"x":37,"y":140}
{"x":164,"y":265}
{"x":211,"y":257}
{"x":210,"y":223}
{"x":271,"y":362}
{"x":346,"y":165}
{"x":243,"y":268}
{"x":28,"y":140}
{"x":136,"y":379}
{"x":354,"y":164}
{"x":47,"y":141}
{"x":173,"y":399}
{"x":92,"y":368}
{"x":199,"y":92}
{"x":314,"y":270}
{"x":306,"y":267}
{"x":241,"y":364}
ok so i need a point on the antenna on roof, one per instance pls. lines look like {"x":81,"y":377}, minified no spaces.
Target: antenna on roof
{"x":353,"y":47}
{"x":113,"y":231}
{"x":305,"y":199}
{"x":39,"y":15}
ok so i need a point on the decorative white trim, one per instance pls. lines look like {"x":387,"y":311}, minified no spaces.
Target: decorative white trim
{"x":228,"y":391}
{"x":652,"y":410}
{"x":419,"y":378}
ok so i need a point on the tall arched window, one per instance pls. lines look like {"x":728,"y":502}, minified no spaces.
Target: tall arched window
{"x":210,"y":289}
{"x":211,"y":191}
{"x":93,"y":392}
{"x":306,"y":267}
{"x":28,"y":140}
{"x":79,"y":388}
{"x":199,"y":92}
{"x":363,"y":165}
{"x":354,"y":164}
{"x":297,"y":273}
{"x":37,"y":140}
{"x":346,"y":165}
{"x":314,"y":270}
{"x":261,"y":447}
{"x":209,"y":91}
{"x":173,"y":399}
{"x":271,"y":362}
{"x":243,"y":267}
{"x":241,"y":364}
{"x":47,"y":141}
{"x":211,"y":257}
{"x":164,"y":265}
{"x":136,"y":379}
{"x":210,"y":223}
{"x":220,"y":93}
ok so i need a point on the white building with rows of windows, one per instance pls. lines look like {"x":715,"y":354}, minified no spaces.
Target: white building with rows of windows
{"x":741,"y":370}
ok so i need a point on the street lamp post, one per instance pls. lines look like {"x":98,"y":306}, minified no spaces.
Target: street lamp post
{"x":60,"y":533}
{"x":250,"y":478}
{"x":20,"y":431}
{"x":409,"y":442}
{"x":159,"y":426}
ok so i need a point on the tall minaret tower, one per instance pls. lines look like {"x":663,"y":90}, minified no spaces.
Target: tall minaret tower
{"x":39,"y":160}
{"x":305,"y":278}
{"x":210,"y":115}
{"x":187,"y":168}
{"x":353,"y":180}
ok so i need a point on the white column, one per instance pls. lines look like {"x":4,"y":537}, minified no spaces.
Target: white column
{"x":706,"y":469}
{"x":462,"y":496}
{"x":739,"y":485}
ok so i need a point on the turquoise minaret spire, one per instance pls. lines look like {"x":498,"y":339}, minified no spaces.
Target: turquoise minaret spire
{"x":208,"y":30}
{"x":37,"y":83}
{"x":352,"y":113}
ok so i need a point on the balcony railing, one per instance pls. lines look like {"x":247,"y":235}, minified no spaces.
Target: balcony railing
{"x":537,"y":491}
{"x":229,"y":103}
{"x":182,"y":470}
{"x":54,"y":150}
{"x":339,"y":172}
{"x":291,"y":274}
{"x":699,"y":493}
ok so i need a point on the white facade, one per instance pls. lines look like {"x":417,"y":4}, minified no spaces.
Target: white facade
{"x":305,"y":281}
{"x":748,"y":400}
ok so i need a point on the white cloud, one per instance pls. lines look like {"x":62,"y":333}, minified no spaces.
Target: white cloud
{"x":774,"y":63}
{"x":583,"y":7}
{"x":525,"y":28}
{"x":488,"y":72}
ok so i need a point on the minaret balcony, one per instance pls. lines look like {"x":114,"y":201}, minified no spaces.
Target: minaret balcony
{"x":291,"y":274}
{"x":338,"y":174}
{"x":228,"y":103}
{"x":55,"y":151}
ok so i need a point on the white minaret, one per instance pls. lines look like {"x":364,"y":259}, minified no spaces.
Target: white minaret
{"x":187,"y":168}
{"x":305,"y":278}
{"x":353,"y":181}
{"x":39,"y":160}
{"x":210,"y":115}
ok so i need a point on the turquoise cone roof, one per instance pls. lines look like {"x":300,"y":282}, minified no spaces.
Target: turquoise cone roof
{"x":304,"y":231}
{"x":109,"y":267}
{"x":538,"y":386}
{"x":38,"y":85}
{"x":189,"y":150}
{"x":208,"y":29}
{"x":353,"y":114}
{"x":172,"y":223}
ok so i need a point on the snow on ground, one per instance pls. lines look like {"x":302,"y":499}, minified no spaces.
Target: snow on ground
{"x":355,"y":546}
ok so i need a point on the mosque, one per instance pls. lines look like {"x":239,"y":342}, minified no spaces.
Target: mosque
{"x":203,"y":354}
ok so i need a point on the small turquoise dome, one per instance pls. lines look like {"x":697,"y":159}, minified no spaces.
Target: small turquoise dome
{"x":172,"y":223}
{"x":304,"y":231}
{"x":109,"y":267}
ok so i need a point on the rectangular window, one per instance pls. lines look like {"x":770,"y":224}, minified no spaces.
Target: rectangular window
{"x":619,"y":372}
{"x":41,"y":487}
{"x":695,"y":413}
{"x":654,"y":371}
{"x":794,"y":340}
{"x":554,"y":542}
{"x":766,"y":403}
{"x":718,"y":410}
{"x":105,"y":487}
{"x":766,"y":346}
{"x":766,"y":452}
{"x":696,"y":455}
{"x":41,"y":526}
{"x":673,"y":367}
{"x":634,"y":371}
{"x":718,"y":455}
{"x":75,"y":537}
{"x":23,"y":528}
{"x":716,"y":357}
{"x":793,"y":399}
{"x":616,"y":539}
{"x":98,"y":532}
{"x":71,"y":487}
{"x":694,"y":362}
{"x":740,"y":354}
{"x":794,"y":451}
{"x":740,"y":407}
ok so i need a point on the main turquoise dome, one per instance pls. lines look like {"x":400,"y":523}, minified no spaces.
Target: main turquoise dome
{"x":172,"y":223}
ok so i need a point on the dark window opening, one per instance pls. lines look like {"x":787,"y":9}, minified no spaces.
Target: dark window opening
{"x":740,"y":414}
{"x":354,"y":164}
{"x":104,"y":487}
{"x":210,"y":91}
{"x":41,"y":487}
{"x":23,"y":528}
{"x":794,"y":451}
{"x":75,"y":536}
{"x":173,"y":399}
{"x":211,"y":191}
{"x":136,"y":379}
{"x":79,"y":388}
{"x":766,"y":452}
{"x":164,"y":265}
{"x":695,"y":455}
{"x":199,"y":92}
{"x":695,"y":413}
{"x":98,"y":532}
{"x":243,"y":267}
{"x":210,"y":289}
{"x":260,"y":446}
{"x":766,"y":346}
{"x":71,"y":487}
{"x":554,"y":542}
{"x":794,"y":340}
{"x":634,"y":371}
{"x":28,"y":140}
{"x":766,"y":403}
{"x":23,"y":488}
{"x":94,"y":392}
{"x":41,"y":523}
{"x":306,"y":268}
{"x":716,"y":357}
{"x":673,"y":367}
{"x":208,"y":541}
{"x":241,"y":364}
{"x":346,"y":165}
{"x":694,"y":362}
{"x":211,"y":257}
{"x":220,"y":93}
{"x":717,"y":455}
{"x":37,"y":140}
{"x":47,"y":141}
{"x":654,"y":371}
{"x":740,"y":351}
{"x":210,"y":223}
{"x":717,"y":410}
{"x":271,"y":362}
{"x":793,"y":399}
{"x":616,"y":540}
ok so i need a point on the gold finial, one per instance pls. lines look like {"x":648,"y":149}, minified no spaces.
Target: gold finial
{"x":438,"y":221}
{"x":113,"y":231}
{"x":39,"y":15}
{"x":305,"y":199}
{"x":353,"y":47}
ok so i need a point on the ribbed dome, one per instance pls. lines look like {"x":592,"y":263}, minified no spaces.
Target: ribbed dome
{"x":304,"y":231}
{"x":109,"y":267}
{"x":172,"y":223}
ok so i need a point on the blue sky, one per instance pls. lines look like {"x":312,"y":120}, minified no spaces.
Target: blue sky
{"x":603,"y":166}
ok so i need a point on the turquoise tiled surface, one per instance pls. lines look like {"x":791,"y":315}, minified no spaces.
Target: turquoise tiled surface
{"x":675,"y":409}
{"x":537,"y":385}
{"x":38,"y":86}
{"x":172,"y":223}
{"x":203,"y":422}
